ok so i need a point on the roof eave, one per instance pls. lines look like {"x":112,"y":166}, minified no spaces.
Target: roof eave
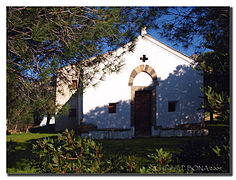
{"x":168,"y":48}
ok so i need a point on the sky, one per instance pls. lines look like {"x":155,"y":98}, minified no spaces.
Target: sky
{"x":187,"y":51}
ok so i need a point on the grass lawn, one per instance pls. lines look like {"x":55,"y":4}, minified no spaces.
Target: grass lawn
{"x":19,"y":152}
{"x":24,"y":137}
{"x":143,"y":146}
{"x":19,"y":147}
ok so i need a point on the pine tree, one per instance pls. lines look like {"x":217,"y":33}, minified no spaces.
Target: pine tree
{"x":211,"y":26}
{"x":41,"y":40}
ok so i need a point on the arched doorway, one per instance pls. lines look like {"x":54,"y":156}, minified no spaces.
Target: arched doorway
{"x":143,"y":102}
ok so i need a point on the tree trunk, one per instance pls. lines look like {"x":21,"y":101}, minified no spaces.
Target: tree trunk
{"x":211,"y":117}
{"x":16,"y":126}
{"x":48,"y":119}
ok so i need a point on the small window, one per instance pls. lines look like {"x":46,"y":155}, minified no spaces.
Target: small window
{"x":75,"y":84}
{"x":112,"y":107}
{"x":72,"y":113}
{"x":172,"y":106}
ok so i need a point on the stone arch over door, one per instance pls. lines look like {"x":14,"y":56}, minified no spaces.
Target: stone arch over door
{"x":143,"y":68}
{"x":150,"y":71}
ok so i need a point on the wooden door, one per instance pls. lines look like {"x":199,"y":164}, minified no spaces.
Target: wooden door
{"x":142,"y":115}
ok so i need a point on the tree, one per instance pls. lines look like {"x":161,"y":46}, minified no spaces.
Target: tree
{"x":216,"y":84}
{"x":211,"y":26}
{"x":40,"y":40}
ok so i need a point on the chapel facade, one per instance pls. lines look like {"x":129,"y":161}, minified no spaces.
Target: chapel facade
{"x":156,"y":93}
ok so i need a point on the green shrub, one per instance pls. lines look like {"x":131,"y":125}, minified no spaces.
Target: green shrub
{"x":123,"y":164}
{"x":222,"y":155}
{"x":72,"y":154}
{"x":161,"y":164}
{"x":205,"y":158}
{"x":69,"y":154}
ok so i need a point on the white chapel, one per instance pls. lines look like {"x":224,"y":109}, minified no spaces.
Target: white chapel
{"x":156,"y":93}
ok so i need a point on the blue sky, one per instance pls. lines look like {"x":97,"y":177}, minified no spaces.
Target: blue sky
{"x":187,"y":51}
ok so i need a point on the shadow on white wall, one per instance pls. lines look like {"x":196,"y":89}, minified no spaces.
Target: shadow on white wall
{"x":63,"y":121}
{"x":181,"y":86}
{"x":103,"y":119}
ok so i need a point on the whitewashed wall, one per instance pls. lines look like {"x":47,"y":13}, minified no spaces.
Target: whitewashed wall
{"x":182,"y":86}
{"x":66,"y":95}
{"x":63,"y":89}
{"x":177,"y":82}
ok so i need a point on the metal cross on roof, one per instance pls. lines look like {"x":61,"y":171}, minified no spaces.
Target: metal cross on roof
{"x":144,"y":58}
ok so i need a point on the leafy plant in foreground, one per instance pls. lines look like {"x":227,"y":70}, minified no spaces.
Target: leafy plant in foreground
{"x":219,"y":103}
{"x":222,"y":152}
{"x":161,"y":164}
{"x":69,"y":154}
{"x":213,"y":158}
{"x":123,"y":164}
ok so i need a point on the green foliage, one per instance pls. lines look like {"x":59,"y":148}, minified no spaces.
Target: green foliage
{"x":216,"y":150}
{"x":41,"y":40}
{"x":218,"y":103}
{"x":69,"y":154}
{"x":212,"y":157}
{"x":195,"y":154}
{"x":162,"y":164}
{"x":222,"y":152}
{"x":119,"y":163}
{"x":161,"y":157}
{"x":215,"y":68}
{"x":19,"y":152}
{"x":211,"y":27}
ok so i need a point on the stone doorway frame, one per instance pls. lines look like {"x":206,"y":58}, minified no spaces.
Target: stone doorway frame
{"x":150,"y":71}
